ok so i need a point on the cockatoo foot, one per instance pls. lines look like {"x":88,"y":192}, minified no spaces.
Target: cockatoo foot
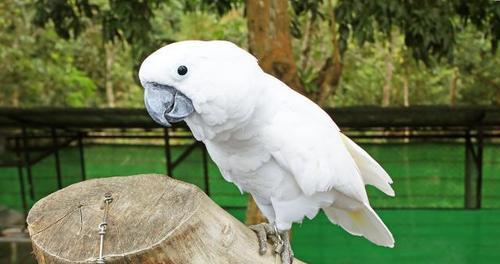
{"x":280,"y":239}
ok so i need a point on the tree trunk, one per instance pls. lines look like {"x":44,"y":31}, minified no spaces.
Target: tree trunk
{"x":15,"y":97}
{"x":110,"y":60}
{"x":151,"y":219}
{"x":270,"y":41}
{"x":406,"y":92}
{"x":406,"y":102}
{"x":329,"y":75}
{"x":309,"y":33}
{"x":389,"y":69}
{"x":453,"y":87}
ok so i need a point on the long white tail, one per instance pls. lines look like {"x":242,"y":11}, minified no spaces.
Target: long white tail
{"x":359,"y":219}
{"x":371,"y":172}
{"x":356,"y":217}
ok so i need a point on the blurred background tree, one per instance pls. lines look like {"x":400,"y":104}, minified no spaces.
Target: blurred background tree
{"x":338,"y":53}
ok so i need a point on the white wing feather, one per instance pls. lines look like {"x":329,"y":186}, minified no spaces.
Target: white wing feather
{"x":306,"y":142}
{"x":371,"y":171}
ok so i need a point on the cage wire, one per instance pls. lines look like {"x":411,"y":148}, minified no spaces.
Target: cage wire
{"x":426,"y":174}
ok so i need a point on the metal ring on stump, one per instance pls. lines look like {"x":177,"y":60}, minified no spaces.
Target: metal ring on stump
{"x":151,"y":219}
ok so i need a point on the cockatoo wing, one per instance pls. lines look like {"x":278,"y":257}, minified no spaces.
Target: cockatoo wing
{"x":305,"y":141}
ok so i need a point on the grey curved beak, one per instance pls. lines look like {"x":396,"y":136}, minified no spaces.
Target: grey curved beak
{"x":165,"y":104}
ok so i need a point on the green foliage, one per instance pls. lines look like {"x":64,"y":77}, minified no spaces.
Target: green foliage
{"x":41,"y":68}
{"x":206,"y":26}
{"x":478,"y":74}
{"x":220,"y":7}
{"x":129,"y":21}
{"x":367,"y":35}
{"x":479,"y":69}
{"x":302,"y":8}
{"x":36,"y":68}
{"x":484,"y":14}
{"x":428,"y":26}
{"x":68,"y":18}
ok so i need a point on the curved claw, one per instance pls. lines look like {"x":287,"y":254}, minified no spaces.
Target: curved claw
{"x":280,"y":240}
{"x":260,"y":231}
{"x":287,"y":252}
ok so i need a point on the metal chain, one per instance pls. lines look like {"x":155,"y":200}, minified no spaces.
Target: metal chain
{"x":103,"y":226}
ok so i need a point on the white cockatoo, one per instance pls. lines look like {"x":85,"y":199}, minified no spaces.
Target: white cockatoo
{"x":267,"y":139}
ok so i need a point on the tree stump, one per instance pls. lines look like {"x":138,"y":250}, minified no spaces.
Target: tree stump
{"x":151,"y":219}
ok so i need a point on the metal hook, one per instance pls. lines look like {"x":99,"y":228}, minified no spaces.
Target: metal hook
{"x":103,"y":226}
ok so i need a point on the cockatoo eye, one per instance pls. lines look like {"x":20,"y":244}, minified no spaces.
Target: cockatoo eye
{"x":182,"y":70}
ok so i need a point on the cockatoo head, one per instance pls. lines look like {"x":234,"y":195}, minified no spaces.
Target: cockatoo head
{"x":206,"y":80}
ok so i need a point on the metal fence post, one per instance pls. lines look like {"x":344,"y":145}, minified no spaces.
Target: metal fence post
{"x":82,"y":156}
{"x":205,"y":168}
{"x":26,"y":162}
{"x":469,"y":157}
{"x":21,"y":178}
{"x":473,"y":170}
{"x":55,"y":145}
{"x":479,"y":167}
{"x":168,"y":156}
